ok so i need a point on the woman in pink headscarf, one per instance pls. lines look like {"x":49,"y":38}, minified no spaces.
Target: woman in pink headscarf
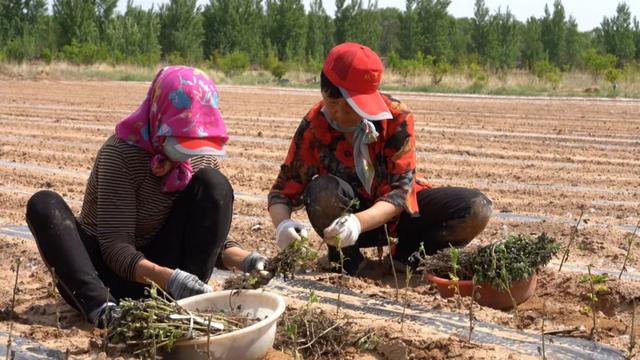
{"x":156,"y":206}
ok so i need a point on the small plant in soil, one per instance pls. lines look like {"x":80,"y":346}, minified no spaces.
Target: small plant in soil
{"x":390,"y":243}
{"x":145,"y":326}
{"x":16,"y":266}
{"x":572,"y":238}
{"x":471,"y":301}
{"x":340,"y":267}
{"x":453,"y":274}
{"x":597,"y":286}
{"x":630,"y":241}
{"x":407,"y":281}
{"x":308,"y":332}
{"x":632,"y":334}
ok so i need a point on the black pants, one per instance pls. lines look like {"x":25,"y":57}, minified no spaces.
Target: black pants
{"x":448,"y":216}
{"x":191,"y":239}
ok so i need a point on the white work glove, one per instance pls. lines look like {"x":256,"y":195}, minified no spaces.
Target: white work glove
{"x":288,"y":231}
{"x":346,"y":228}
{"x":183,"y":284}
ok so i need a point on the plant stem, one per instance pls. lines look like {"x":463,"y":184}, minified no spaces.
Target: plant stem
{"x":340,"y":277}
{"x":473,"y":298}
{"x":544,"y":312}
{"x":407,"y":281}
{"x":209,"y":338}
{"x":626,"y":258}
{"x":632,"y":335}
{"x":393,"y":267}
{"x":54,"y":289}
{"x":574,"y":233}
{"x":13,"y":307}
{"x":593,"y":304}
{"x":105,"y":319}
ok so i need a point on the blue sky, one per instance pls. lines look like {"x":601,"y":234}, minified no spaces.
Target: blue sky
{"x":588,"y":13}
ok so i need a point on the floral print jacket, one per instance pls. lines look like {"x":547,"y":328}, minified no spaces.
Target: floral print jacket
{"x":319,"y":149}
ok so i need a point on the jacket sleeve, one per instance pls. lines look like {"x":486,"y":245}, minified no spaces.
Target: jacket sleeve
{"x":116,"y":213}
{"x":400,"y":156}
{"x":297,"y":169}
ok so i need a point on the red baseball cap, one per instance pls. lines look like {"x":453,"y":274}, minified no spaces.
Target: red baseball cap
{"x":199,"y":146}
{"x":357,"y":71}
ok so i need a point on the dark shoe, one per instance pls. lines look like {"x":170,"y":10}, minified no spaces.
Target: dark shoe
{"x":108,"y":316}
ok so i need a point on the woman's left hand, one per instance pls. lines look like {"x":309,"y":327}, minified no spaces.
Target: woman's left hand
{"x":255,"y":263}
{"x":343,"y":231}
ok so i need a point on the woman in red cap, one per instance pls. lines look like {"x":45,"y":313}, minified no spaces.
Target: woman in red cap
{"x":156,"y":207}
{"x":352,"y":165}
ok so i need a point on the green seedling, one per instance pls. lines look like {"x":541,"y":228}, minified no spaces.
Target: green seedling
{"x":572,"y":238}
{"x":471,"y":301}
{"x":630,"y":240}
{"x":632,"y":334}
{"x":341,"y":276}
{"x":368,"y":342}
{"x":597,"y":286}
{"x":453,"y":274}
{"x":13,"y":307}
{"x":392,"y":241}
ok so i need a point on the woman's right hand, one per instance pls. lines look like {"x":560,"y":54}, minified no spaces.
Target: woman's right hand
{"x":288,"y":231}
{"x":183,"y":284}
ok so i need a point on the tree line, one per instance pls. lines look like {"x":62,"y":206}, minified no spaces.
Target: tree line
{"x":233,"y":34}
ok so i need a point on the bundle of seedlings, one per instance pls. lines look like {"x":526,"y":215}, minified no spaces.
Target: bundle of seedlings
{"x":297,"y":255}
{"x":498,"y":264}
{"x":150,"y":325}
{"x":310,"y":333}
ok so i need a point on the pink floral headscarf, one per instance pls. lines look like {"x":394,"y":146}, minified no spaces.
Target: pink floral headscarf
{"x":181,"y":102}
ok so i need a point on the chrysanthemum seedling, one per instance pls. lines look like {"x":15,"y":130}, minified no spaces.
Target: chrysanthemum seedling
{"x":407,"y":281}
{"x":390,"y":243}
{"x":453,"y":274}
{"x":597,"y":285}
{"x":630,"y":241}
{"x":572,"y":238}
{"x":13,"y":307}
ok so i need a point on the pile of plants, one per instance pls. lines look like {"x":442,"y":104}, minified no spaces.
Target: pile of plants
{"x":147,"y":326}
{"x":498,"y":264}
{"x":297,"y":255}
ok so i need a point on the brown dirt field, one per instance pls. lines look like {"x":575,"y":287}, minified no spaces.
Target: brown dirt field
{"x":537,"y":159}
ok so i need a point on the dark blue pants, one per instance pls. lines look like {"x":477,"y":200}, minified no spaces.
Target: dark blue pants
{"x":449,"y":216}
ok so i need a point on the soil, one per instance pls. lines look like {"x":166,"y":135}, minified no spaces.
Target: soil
{"x":537,"y":159}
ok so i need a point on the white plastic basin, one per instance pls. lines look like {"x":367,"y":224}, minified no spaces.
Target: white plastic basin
{"x":249,"y":343}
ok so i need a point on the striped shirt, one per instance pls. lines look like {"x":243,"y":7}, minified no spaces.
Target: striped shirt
{"x":124,"y":206}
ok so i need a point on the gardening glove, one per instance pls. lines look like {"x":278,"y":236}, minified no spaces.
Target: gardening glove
{"x":254,"y":264}
{"x":105,"y":316}
{"x":345,"y":228}
{"x":183,"y":284}
{"x":289,"y":231}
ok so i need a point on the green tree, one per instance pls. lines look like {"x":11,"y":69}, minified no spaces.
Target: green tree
{"x":436,"y":27}
{"x":287,"y":28}
{"x":319,"y":32}
{"x":573,"y":47}
{"x":134,"y":36}
{"x":503,"y":41}
{"x":617,"y":36}
{"x":480,"y":30}
{"x":390,"y":20}
{"x":233,"y":25}
{"x":104,"y":15}
{"x":75,"y":20}
{"x":410,"y":41}
{"x":181,"y":31}
{"x":553,"y":32}
{"x":532,"y":50}
{"x":355,"y":23}
{"x":598,"y":64}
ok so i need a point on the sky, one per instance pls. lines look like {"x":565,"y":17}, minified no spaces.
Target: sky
{"x":588,"y":13}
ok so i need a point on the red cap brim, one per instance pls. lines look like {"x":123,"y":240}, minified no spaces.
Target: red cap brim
{"x":201,"y":146}
{"x":369,"y":106}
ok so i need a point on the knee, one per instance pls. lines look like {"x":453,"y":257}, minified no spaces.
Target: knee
{"x":481,"y":208}
{"x":43,"y":206}
{"x":215,"y":186}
